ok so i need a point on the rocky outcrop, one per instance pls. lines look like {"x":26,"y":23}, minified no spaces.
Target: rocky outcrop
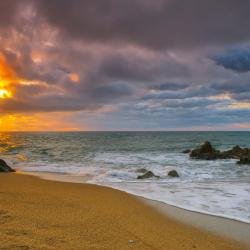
{"x":207,"y":152}
{"x":244,"y":160}
{"x":4,"y":167}
{"x":173,"y":173}
{"x":148,"y":174}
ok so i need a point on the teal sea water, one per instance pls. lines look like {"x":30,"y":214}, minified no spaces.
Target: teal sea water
{"x":112,"y":158}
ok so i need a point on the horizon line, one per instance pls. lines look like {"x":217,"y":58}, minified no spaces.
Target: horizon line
{"x":86,"y":131}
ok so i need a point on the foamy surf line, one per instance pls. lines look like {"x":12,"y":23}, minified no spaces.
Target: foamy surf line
{"x":154,"y":196}
{"x":181,"y":207}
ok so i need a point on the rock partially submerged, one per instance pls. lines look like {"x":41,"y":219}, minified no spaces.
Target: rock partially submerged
{"x":207,"y":152}
{"x":244,"y":160}
{"x":236,"y":153}
{"x":148,"y":174}
{"x":173,"y":173}
{"x":4,"y":167}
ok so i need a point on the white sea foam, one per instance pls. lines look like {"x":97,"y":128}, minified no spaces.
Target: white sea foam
{"x":214,"y":187}
{"x":225,"y":199}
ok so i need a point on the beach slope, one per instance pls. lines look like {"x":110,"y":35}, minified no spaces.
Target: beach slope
{"x":42,"y":214}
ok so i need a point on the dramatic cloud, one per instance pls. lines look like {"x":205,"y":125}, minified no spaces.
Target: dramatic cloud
{"x":140,"y":64}
{"x":169,"y":86}
{"x":237,"y":60}
{"x":156,"y":24}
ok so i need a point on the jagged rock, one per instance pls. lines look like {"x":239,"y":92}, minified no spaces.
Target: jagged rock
{"x":207,"y":152}
{"x":142,"y":170}
{"x":236,"y":152}
{"x":244,"y":160}
{"x":173,"y":173}
{"x":4,"y":167}
{"x":148,"y":174}
{"x":187,"y":151}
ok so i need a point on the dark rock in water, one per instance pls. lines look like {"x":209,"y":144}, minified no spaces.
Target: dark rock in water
{"x":205,"y":152}
{"x":4,"y":167}
{"x":187,"y":151}
{"x":207,"y":148}
{"x":173,"y":173}
{"x":237,"y":149}
{"x":148,"y":174}
{"x":244,"y":160}
{"x":236,"y":152}
{"x":142,"y":170}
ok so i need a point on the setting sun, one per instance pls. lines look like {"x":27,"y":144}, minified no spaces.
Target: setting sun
{"x":5,"y":93}
{"x":7,"y":77}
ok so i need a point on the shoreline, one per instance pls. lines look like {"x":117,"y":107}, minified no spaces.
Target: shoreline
{"x":64,"y":177}
{"x":42,"y":214}
{"x":223,"y":226}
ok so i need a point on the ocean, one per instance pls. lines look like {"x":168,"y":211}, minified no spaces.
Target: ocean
{"x":112,"y":159}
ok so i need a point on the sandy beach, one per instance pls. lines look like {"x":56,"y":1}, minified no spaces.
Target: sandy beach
{"x":43,"y":214}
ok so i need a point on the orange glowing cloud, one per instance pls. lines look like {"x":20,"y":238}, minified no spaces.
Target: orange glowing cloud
{"x":54,"y":121}
{"x":37,"y":56}
{"x":240,"y":105}
{"x":7,"y":78}
{"x":221,"y":97}
{"x":74,"y":77}
{"x":38,"y":122}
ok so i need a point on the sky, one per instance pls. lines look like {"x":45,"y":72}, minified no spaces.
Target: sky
{"x":69,"y":65}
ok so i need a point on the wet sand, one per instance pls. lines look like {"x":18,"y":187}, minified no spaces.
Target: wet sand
{"x":229,"y":228}
{"x":43,"y":214}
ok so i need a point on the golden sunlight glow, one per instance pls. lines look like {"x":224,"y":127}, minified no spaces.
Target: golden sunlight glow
{"x":32,"y":122}
{"x":37,"y":56}
{"x":240,"y":105}
{"x":7,"y":78}
{"x":5,"y":93}
{"x":74,"y":77}
{"x":220,"y":97}
{"x":39,"y":122}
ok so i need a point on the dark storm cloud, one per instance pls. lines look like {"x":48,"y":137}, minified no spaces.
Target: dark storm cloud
{"x":237,"y":60}
{"x":169,"y":86}
{"x":148,"y":61}
{"x":243,"y":96}
{"x":187,"y":103}
{"x":154,"y":24}
{"x":132,"y":67}
{"x":124,"y":67}
{"x":108,"y":92}
{"x":238,"y":87}
{"x":8,"y":10}
{"x":197,"y":91}
{"x":49,"y":103}
{"x":232,"y":86}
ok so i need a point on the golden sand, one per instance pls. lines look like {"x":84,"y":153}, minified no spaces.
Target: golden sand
{"x":42,"y":214}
